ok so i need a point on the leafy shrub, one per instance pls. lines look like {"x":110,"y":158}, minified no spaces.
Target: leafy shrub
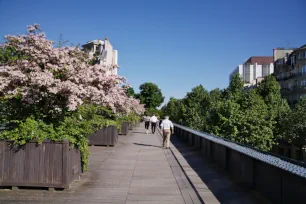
{"x":75,"y":128}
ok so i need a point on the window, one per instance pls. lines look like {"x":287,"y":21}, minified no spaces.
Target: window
{"x":265,"y":70}
{"x":293,"y":60}
{"x":305,"y":54}
{"x":280,"y":61}
{"x":304,"y":70}
{"x":303,"y":82}
{"x":300,"y":55}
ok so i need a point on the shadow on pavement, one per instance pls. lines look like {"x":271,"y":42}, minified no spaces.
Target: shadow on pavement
{"x":147,"y":145}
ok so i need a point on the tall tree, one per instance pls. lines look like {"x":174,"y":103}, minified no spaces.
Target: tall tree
{"x":173,"y":109}
{"x":269,"y":90}
{"x":293,"y":124}
{"x":196,"y":105}
{"x":236,"y":84}
{"x":150,"y":95}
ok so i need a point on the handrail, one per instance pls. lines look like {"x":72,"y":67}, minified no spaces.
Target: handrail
{"x":256,"y":154}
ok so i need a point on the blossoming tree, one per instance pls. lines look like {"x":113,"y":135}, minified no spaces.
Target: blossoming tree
{"x":58,"y":80}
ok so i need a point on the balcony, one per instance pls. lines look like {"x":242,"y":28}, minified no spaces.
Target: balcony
{"x":293,"y":90}
{"x":291,"y":75}
{"x":298,"y":89}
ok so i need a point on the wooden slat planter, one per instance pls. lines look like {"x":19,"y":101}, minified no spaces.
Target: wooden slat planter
{"x":105,"y":136}
{"x":124,"y":128}
{"x":50,"y":164}
{"x":130,"y":126}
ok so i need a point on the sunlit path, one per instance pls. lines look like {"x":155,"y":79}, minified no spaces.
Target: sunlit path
{"x":138,"y":170}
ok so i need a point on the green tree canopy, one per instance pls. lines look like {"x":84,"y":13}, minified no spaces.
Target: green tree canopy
{"x":130,"y":92}
{"x":269,"y":90}
{"x":236,"y":84}
{"x":248,"y":116}
{"x":196,"y":105}
{"x":293,"y":124}
{"x":173,"y":109}
{"x":150,"y":95}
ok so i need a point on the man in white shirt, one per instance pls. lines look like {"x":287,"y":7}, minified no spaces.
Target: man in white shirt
{"x":153,"y":121}
{"x":147,"y":123}
{"x":167,"y":128}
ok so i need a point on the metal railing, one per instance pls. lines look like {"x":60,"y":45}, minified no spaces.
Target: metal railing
{"x":272,"y":176}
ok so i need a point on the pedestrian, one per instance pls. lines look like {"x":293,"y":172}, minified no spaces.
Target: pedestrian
{"x":147,"y":123}
{"x":167,"y":129}
{"x":153,"y":121}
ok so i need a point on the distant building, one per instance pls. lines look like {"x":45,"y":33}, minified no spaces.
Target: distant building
{"x":254,"y":70}
{"x":103,"y":52}
{"x":290,"y":71}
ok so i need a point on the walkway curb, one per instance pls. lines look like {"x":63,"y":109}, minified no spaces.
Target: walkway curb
{"x":190,"y":193}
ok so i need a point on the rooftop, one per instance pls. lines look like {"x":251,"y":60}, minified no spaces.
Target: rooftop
{"x":260,"y":60}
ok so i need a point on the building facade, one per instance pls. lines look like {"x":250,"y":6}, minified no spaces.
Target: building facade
{"x":254,"y":70}
{"x":103,"y":53}
{"x":290,"y":71}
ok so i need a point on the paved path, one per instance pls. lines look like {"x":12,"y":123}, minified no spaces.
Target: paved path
{"x":136,"y":170}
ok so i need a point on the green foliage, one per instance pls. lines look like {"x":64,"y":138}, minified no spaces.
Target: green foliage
{"x":151,"y":111}
{"x":130,"y":92}
{"x":27,"y":130}
{"x":244,"y":123}
{"x":75,"y":127}
{"x":269,"y":90}
{"x":248,"y":117}
{"x":150,"y":95}
{"x":173,"y":110}
{"x":236,"y":85}
{"x":131,"y":118}
{"x":293,"y":124}
{"x":9,"y":55}
{"x":195,"y":107}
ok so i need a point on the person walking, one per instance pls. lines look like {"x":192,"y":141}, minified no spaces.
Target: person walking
{"x":167,"y":128}
{"x":147,"y":123}
{"x":153,"y":121}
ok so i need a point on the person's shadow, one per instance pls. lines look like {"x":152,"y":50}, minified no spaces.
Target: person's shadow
{"x":147,"y":145}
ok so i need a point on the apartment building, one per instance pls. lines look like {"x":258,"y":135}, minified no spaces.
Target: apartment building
{"x":290,"y":71}
{"x":254,"y":70}
{"x":104,"y":54}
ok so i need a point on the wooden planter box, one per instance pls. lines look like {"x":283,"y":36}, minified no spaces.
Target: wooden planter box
{"x":130,"y":126}
{"x":124,"y":128}
{"x":105,"y":136}
{"x":50,"y":164}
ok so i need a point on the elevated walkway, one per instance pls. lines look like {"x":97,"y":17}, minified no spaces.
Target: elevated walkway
{"x":138,"y":170}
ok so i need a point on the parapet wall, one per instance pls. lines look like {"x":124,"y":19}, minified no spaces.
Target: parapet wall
{"x":278,"y":180}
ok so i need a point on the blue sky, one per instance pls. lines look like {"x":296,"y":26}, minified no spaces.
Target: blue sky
{"x":177,"y":44}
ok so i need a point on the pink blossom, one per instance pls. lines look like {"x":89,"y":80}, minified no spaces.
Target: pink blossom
{"x":48,"y":72}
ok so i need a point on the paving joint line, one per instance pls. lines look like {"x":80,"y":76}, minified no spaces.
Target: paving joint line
{"x":181,"y":167}
{"x":126,"y":200}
